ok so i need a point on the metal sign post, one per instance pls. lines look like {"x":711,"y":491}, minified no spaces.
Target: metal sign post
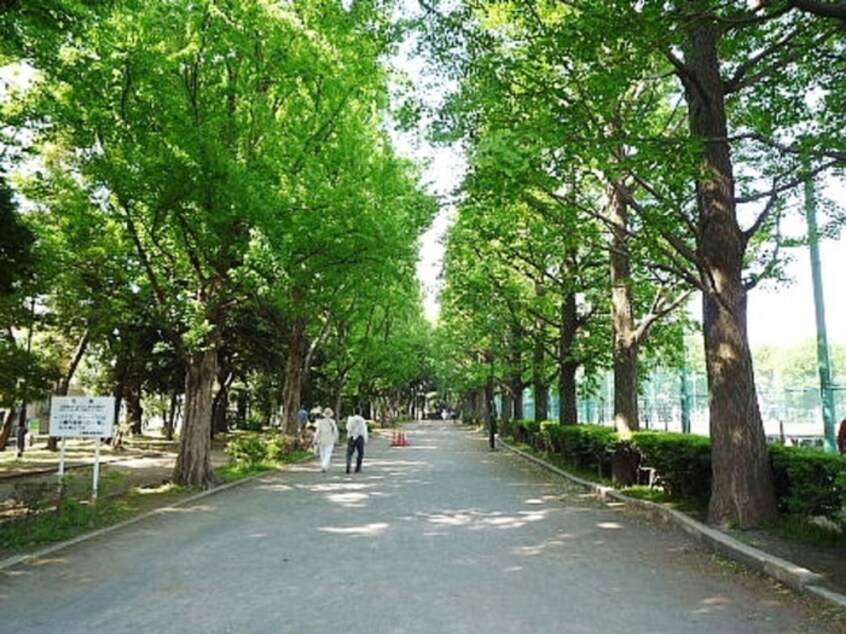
{"x":82,"y":417}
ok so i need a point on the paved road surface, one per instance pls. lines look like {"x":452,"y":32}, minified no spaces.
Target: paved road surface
{"x":440,"y":537}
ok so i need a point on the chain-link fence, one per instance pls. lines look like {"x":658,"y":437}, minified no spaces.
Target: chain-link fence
{"x":793,"y":413}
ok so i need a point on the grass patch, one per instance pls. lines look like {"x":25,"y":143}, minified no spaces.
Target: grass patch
{"x":240,"y":470}
{"x":298,"y":455}
{"x":647,"y":493}
{"x":68,"y":520}
{"x":71,"y":517}
{"x":802,"y":531}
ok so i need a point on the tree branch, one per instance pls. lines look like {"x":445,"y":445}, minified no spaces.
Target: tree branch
{"x":820,"y":8}
{"x":792,"y":149}
{"x":736,"y":82}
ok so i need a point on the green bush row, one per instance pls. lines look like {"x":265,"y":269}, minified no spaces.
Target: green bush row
{"x":808,"y":482}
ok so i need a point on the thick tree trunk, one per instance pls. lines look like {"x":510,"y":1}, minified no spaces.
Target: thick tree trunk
{"x":516,"y":386}
{"x":135,"y":410}
{"x":292,"y":390}
{"x":568,"y":413}
{"x":540,"y":386}
{"x":507,"y":405}
{"x":219,"y":409}
{"x":243,"y":408}
{"x":742,"y":492}
{"x":220,"y":406}
{"x":622,"y":314}
{"x":515,"y":376}
{"x":193,"y":464}
{"x":541,"y":390}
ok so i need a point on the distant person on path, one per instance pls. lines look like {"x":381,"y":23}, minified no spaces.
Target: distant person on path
{"x":841,"y":437}
{"x":325,"y":437}
{"x":302,"y":418}
{"x":356,"y":438}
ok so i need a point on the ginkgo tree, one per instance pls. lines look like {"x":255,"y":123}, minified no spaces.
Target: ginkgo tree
{"x":211,"y":134}
{"x":692,"y":113}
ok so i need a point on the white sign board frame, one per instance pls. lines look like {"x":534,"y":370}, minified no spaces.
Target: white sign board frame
{"x":82,"y":417}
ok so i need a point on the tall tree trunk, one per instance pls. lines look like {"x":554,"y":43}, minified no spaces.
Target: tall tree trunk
{"x":8,"y":427}
{"x":515,"y":375}
{"x":64,"y":384}
{"x":516,"y":386}
{"x":622,"y":312}
{"x":243,"y":408}
{"x":568,"y":413}
{"x":134,"y":409}
{"x":742,"y":492}
{"x":292,"y":390}
{"x":540,"y":385}
{"x":220,"y":406}
{"x":340,"y":384}
{"x":490,"y":403}
{"x":507,"y":404}
{"x":170,"y":423}
{"x":193,"y":464}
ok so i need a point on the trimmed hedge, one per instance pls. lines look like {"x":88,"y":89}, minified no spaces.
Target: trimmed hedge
{"x":808,"y":482}
{"x":589,"y":446}
{"x":682,"y":462}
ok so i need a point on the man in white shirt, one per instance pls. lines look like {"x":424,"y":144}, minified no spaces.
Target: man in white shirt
{"x":356,"y":438}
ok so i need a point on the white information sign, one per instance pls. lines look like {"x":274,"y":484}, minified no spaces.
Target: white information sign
{"x":82,"y":416}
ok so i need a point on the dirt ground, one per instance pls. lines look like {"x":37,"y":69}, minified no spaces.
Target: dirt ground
{"x":145,"y":466}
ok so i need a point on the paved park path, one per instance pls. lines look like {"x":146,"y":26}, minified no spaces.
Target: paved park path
{"x":439,"y":537}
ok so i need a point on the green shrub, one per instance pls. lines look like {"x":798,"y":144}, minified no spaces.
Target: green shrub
{"x":808,"y":482}
{"x":682,"y":461}
{"x":590,"y":447}
{"x":248,"y":449}
{"x":253,"y":449}
{"x":254,"y":422}
{"x":279,"y":446}
{"x":522,"y":431}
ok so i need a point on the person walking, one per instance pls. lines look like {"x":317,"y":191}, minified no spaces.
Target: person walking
{"x":325,"y":437}
{"x":356,"y":438}
{"x":302,"y":418}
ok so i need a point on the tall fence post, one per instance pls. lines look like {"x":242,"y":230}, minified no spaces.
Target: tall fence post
{"x":823,"y":363}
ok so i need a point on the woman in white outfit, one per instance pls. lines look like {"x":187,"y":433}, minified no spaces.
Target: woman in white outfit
{"x":325,"y":437}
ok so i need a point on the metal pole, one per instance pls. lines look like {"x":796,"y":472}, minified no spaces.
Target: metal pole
{"x":823,"y":363}
{"x":491,"y":406}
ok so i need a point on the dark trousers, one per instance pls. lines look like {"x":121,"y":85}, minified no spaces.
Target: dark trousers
{"x":355,"y":445}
